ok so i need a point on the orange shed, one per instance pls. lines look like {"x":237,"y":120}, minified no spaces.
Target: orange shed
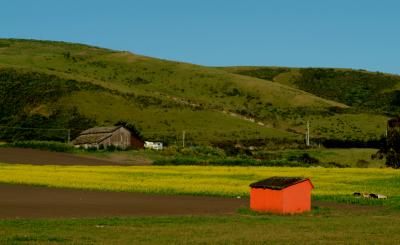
{"x":281,"y":195}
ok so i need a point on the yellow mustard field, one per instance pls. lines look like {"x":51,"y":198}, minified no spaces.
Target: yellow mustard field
{"x":200,"y":180}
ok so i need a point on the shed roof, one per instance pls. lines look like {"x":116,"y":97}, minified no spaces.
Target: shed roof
{"x":278,"y":183}
{"x":100,"y":130}
{"x":91,"y":138}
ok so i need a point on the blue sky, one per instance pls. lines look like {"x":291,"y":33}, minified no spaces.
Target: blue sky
{"x":361,"y":34}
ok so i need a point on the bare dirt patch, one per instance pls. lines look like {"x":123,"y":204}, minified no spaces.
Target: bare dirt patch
{"x":125,"y":158}
{"x":40,"y":157}
{"x":20,"y":201}
{"x":23,"y":201}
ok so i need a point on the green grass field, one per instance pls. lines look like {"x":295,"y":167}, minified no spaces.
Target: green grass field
{"x":319,"y":227}
{"x":354,"y":221}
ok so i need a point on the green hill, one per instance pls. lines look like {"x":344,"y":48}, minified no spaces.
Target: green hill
{"x":371,"y":96}
{"x":46,"y":84}
{"x":362,"y":90}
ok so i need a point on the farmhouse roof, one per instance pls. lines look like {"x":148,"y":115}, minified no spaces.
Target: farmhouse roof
{"x":95,"y":135}
{"x":100,"y":130}
{"x":278,"y":183}
{"x":91,"y":138}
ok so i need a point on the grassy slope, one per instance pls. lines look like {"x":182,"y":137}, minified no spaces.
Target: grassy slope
{"x":357,"y":88}
{"x":161,"y":97}
{"x":373,"y":96}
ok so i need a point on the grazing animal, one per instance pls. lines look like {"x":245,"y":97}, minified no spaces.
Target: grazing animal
{"x":369,"y":195}
{"x":372,"y":195}
{"x":380,"y":196}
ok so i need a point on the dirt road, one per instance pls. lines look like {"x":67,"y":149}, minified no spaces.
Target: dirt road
{"x":40,"y":157}
{"x":19,"y":201}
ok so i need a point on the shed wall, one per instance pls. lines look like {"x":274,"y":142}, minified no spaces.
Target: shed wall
{"x":297,"y":198}
{"x":120,"y":138}
{"x":293,"y":199}
{"x":136,"y":142}
{"x":266,"y":200}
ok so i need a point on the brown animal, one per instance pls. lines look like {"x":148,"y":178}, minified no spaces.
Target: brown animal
{"x":374,"y":196}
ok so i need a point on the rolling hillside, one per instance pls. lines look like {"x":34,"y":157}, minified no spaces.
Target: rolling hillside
{"x":46,"y":84}
{"x":371,"y":96}
{"x":362,"y":90}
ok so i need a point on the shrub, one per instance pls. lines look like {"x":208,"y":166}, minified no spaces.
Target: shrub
{"x":208,"y":151}
{"x":112,"y":148}
{"x":91,"y":149}
{"x":304,"y":158}
{"x":268,"y":73}
{"x":362,"y":163}
{"x":264,"y":155}
{"x":43,"y":145}
{"x":335,"y":165}
{"x":170,"y":150}
{"x":187,"y":151}
{"x":230,"y":162}
{"x":180,"y":161}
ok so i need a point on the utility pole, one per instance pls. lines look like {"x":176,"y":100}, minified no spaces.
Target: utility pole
{"x":183,"y":139}
{"x":308,"y":134}
{"x":387,"y":133}
{"x":69,"y":136}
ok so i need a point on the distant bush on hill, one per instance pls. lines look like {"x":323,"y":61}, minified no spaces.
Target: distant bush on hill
{"x":267,"y":73}
{"x":354,"y":143}
{"x":302,"y":161}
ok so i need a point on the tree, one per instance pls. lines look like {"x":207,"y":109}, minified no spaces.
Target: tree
{"x":391,"y":149}
{"x":131,"y":127}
